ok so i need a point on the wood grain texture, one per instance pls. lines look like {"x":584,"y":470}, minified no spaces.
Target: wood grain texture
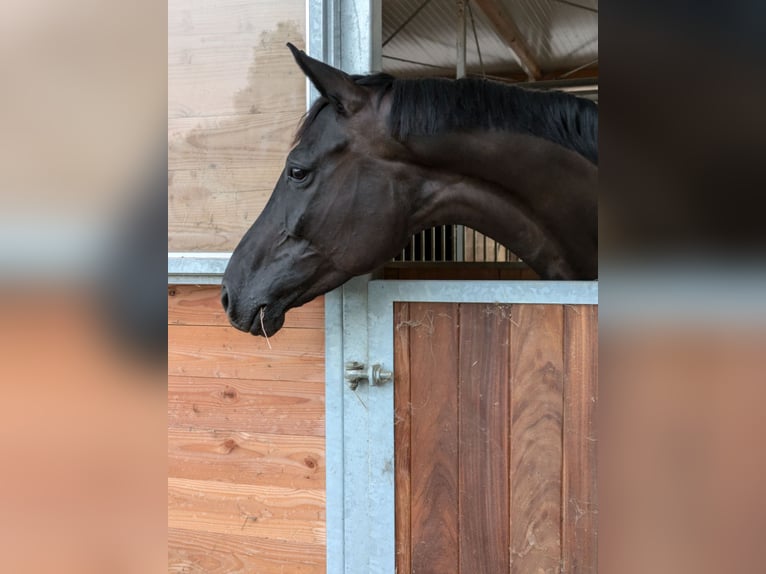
{"x":434,"y":520}
{"x":235,"y":97}
{"x":223,"y":352}
{"x":579,"y":489}
{"x":254,"y":141}
{"x":283,"y":407}
{"x":221,"y":179}
{"x":221,"y":172}
{"x":246,"y":458}
{"x":200,"y":17}
{"x":265,"y":511}
{"x":402,"y":437}
{"x":525,"y":457}
{"x":201,"y":305}
{"x":201,"y":220}
{"x":536,"y":370}
{"x":197,"y":552}
{"x":234,"y":72}
{"x":484,"y":494}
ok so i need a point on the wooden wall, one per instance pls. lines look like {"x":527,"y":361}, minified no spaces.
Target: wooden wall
{"x":235,"y":97}
{"x":494,"y":438}
{"x":246,"y":455}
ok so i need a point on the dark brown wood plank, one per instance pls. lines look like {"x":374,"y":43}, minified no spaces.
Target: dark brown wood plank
{"x":536,"y":415}
{"x":579,"y":501}
{"x":484,"y":437}
{"x":434,"y":461}
{"x":402,"y":437}
{"x":197,"y":552}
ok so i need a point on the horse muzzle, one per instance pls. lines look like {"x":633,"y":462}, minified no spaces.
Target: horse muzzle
{"x":264,"y":320}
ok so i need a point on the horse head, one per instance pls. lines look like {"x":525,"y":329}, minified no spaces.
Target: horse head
{"x":338,"y":210}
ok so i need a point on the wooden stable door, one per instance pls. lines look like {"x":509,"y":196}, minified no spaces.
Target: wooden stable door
{"x":494,"y":438}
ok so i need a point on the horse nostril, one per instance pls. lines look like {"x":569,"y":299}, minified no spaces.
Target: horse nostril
{"x":224,"y":298}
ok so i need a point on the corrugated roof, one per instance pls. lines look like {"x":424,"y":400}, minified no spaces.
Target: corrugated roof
{"x":560,"y":35}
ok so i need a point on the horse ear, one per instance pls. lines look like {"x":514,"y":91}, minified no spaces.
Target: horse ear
{"x":333,"y":84}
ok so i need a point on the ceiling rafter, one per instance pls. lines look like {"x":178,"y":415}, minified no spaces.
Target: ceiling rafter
{"x":509,"y":33}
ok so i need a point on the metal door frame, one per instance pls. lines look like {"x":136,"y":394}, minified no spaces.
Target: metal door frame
{"x":360,"y":423}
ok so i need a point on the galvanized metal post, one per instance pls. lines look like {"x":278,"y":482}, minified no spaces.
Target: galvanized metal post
{"x":348,"y":35}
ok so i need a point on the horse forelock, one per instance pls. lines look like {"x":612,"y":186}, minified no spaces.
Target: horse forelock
{"x":378,"y":83}
{"x":309,"y":117}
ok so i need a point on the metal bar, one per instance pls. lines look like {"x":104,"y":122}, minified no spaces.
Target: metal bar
{"x":196,"y":268}
{"x":407,"y":21}
{"x":578,"y":68}
{"x":444,"y":243}
{"x":433,"y":244}
{"x":476,"y":38}
{"x":460,"y":40}
{"x":459,"y":231}
{"x":384,"y":293}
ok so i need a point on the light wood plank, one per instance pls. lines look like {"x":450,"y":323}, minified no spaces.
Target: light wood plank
{"x":196,"y":552}
{"x":201,"y":305}
{"x":402,"y":437}
{"x":263,"y":511}
{"x":434,"y":517}
{"x":246,"y":458}
{"x":201,"y":220}
{"x":222,"y":352}
{"x":243,"y":73}
{"x":274,"y":407}
{"x":222,"y":179}
{"x":230,"y":17}
{"x":484,"y":494}
{"x":255,"y":141}
{"x":579,"y":499}
{"x":536,"y":426}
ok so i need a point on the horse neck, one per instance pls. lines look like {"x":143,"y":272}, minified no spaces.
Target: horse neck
{"x":534,"y":196}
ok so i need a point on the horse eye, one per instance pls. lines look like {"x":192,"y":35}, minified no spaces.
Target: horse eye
{"x":297,"y":173}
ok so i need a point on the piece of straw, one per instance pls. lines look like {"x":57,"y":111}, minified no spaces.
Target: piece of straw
{"x":263,"y":330}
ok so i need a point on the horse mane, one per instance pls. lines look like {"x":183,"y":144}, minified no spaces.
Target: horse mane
{"x":432,"y":106}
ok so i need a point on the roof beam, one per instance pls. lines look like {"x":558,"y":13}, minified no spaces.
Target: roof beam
{"x":508,"y":32}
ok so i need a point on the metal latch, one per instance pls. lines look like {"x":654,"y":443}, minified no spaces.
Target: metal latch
{"x":357,"y":372}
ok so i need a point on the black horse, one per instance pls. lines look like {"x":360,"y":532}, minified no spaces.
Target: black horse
{"x":377,"y":159}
